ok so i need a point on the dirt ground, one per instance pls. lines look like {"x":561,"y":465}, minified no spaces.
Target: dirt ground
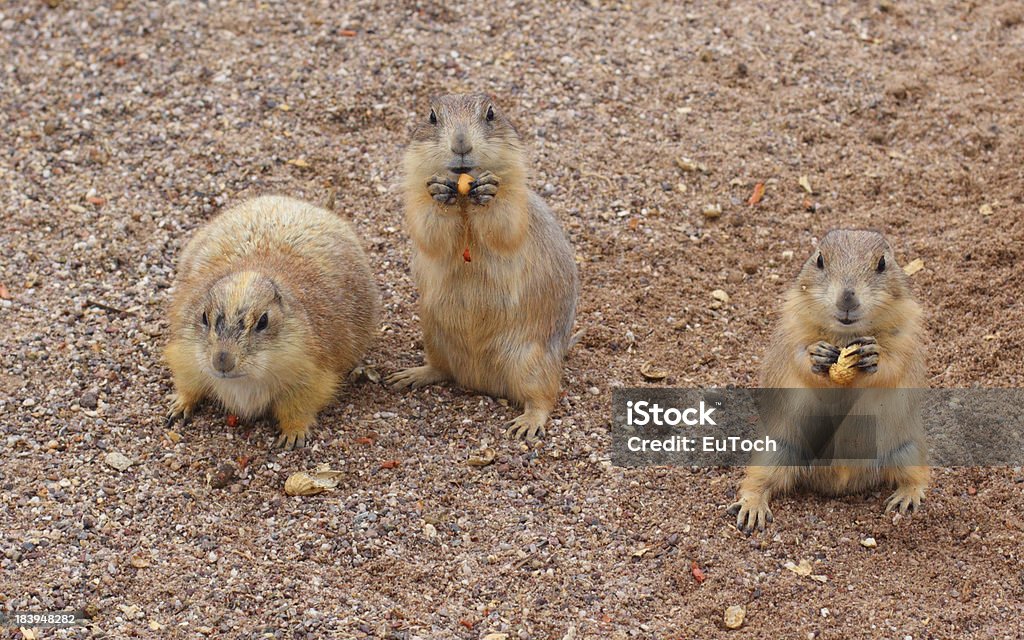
{"x":126,"y":124}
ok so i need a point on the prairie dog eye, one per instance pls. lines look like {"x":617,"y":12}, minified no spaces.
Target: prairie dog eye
{"x":205,"y":320}
{"x":490,"y":113}
{"x":262,"y":323}
{"x":881,"y":265}
{"x":433,"y":117}
{"x":821,"y":261}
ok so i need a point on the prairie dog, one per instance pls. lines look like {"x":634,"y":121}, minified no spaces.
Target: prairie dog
{"x":274,"y":302}
{"x":850,"y":291}
{"x":496,"y":274}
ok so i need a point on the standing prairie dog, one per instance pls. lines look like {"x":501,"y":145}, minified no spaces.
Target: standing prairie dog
{"x":496,"y":274}
{"x":274,"y":302}
{"x":850,"y":292}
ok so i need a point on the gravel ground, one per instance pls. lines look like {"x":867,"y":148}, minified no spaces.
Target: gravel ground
{"x":126,"y":124}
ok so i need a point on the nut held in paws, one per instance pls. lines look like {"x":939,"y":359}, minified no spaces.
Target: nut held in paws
{"x":842,"y":372}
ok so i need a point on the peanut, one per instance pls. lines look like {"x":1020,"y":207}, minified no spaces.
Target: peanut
{"x":842,"y":372}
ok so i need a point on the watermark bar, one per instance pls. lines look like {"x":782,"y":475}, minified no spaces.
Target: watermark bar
{"x":38,"y":619}
{"x":812,"y":427}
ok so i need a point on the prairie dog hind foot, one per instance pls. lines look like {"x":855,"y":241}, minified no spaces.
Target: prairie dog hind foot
{"x":416,"y":377}
{"x":752,"y":512}
{"x":906,"y":499}
{"x":530,"y":425}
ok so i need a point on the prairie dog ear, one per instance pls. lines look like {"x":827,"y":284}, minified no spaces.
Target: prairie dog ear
{"x":330,"y":198}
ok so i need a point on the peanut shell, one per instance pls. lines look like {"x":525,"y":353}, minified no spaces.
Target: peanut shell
{"x":842,"y":372}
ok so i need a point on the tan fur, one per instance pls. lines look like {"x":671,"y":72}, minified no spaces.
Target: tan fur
{"x":301,"y":265}
{"x":809,"y":314}
{"x":502,"y":323}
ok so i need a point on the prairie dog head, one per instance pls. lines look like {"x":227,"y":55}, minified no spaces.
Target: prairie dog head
{"x":239,"y":326}
{"x":851,"y":283}
{"x":463,"y":133}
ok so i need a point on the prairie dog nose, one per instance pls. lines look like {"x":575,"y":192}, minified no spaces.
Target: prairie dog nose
{"x":461,"y":144}
{"x":223,"y":361}
{"x":848,"y":300}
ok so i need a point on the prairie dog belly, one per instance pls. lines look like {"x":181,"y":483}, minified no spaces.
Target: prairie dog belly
{"x":474,"y":325}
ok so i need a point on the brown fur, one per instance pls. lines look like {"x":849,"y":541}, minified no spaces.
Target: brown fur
{"x":502,"y":323}
{"x":810,"y":314}
{"x":301,"y":265}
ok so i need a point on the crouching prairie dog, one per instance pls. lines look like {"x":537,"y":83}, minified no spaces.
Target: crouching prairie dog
{"x":496,"y":275}
{"x":274,"y":303}
{"x":850,"y":293}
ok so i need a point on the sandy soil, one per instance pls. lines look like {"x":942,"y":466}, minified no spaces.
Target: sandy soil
{"x":124,"y":125}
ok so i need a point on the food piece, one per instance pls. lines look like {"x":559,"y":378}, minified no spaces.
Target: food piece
{"x":757,"y":195}
{"x":733,"y":617}
{"x":302,"y":484}
{"x":484,"y":458}
{"x":697,"y":572}
{"x":842,"y":372}
{"x":465,"y":182}
{"x":309,"y":484}
{"x":652,"y":372}
{"x":915,"y":265}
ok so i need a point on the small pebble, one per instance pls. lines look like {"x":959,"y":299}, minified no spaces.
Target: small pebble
{"x":712,"y":211}
{"x":222,"y":476}
{"x":734,"y":616}
{"x":686,"y":164}
{"x":868,"y":543}
{"x":89,"y":400}
{"x":117,"y":460}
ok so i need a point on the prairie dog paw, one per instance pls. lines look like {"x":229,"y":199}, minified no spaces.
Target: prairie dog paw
{"x":905,"y":499}
{"x":529,"y":427}
{"x":180,"y":409}
{"x":752,"y":512}
{"x":484,"y":188}
{"x":442,"y":189}
{"x":867,"y":354}
{"x":823,"y":355}
{"x":415,"y":377}
{"x":292,"y":437}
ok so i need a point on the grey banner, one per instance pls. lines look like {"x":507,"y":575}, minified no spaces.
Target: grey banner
{"x":802,"y":427}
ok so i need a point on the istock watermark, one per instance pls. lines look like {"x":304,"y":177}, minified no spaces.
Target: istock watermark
{"x":643,"y":413}
{"x":808,"y":427}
